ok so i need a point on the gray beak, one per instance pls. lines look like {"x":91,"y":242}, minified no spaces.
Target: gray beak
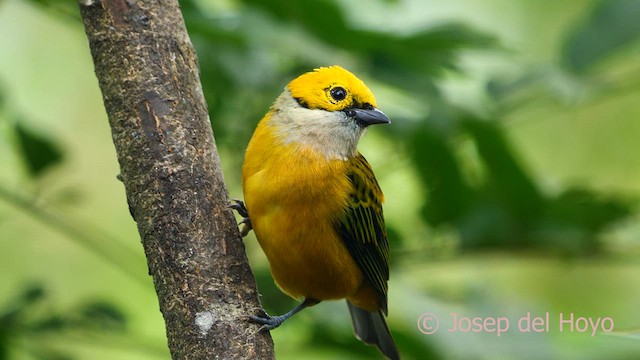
{"x":368,"y":116}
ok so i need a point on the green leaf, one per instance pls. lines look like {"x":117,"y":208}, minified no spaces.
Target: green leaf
{"x":506,"y":178}
{"x":574,"y":220}
{"x":590,"y":211}
{"x":508,"y":202}
{"x":39,"y":152}
{"x":104,"y":315}
{"x":33,"y":293}
{"x":449,"y":193}
{"x":611,"y":26}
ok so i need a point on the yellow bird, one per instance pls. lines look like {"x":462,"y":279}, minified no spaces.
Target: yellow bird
{"x":314,"y":202}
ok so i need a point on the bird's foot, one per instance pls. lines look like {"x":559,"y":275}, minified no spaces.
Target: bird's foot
{"x":268,"y":322}
{"x":238,"y":205}
{"x":271,"y":322}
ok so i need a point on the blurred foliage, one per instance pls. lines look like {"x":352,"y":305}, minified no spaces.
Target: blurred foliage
{"x":248,"y":50}
{"x":611,"y":27}
{"x":30,"y":324}
{"x":507,"y":210}
{"x":40,"y":152}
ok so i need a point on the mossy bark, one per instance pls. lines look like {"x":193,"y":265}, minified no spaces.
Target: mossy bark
{"x":148,"y":73}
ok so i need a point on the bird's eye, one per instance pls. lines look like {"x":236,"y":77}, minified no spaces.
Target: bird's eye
{"x":338,"y":93}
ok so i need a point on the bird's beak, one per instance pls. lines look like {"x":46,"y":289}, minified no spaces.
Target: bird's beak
{"x":369,"y":116}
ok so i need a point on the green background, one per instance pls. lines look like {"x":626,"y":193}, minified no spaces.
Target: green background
{"x":511,"y":172}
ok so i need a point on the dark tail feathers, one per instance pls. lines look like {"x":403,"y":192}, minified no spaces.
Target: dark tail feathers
{"x":371,"y":328}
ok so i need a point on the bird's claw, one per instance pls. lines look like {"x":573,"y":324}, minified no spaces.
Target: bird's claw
{"x":238,"y":205}
{"x":267,"y":322}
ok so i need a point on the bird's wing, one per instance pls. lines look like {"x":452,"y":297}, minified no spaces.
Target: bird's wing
{"x":362,"y":227}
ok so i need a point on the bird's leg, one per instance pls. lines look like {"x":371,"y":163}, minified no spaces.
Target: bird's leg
{"x":272,"y":322}
{"x":238,"y":205}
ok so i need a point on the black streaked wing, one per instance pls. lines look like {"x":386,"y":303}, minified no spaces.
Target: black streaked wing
{"x":362,"y":227}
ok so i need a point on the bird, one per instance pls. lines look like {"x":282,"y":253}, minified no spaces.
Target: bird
{"x":314,"y":203}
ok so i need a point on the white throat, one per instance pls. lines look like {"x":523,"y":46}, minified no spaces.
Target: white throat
{"x":330,"y":133}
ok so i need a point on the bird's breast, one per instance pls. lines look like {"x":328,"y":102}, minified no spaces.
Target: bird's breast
{"x":294,"y":197}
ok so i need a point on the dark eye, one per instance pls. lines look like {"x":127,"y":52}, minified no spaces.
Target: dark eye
{"x":338,"y":93}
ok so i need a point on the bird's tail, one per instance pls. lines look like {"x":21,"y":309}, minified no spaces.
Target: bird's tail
{"x":371,"y":328}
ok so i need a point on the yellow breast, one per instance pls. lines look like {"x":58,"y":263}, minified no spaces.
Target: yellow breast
{"x":294,"y":196}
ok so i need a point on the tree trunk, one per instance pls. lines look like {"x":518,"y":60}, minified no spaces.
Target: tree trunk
{"x":148,"y":73}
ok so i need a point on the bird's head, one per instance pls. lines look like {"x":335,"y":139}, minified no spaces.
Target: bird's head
{"x":327,"y":110}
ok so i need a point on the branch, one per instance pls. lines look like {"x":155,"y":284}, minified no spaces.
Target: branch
{"x":148,"y":73}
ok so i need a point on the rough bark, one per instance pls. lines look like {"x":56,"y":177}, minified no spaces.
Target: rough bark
{"x":148,"y":73}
